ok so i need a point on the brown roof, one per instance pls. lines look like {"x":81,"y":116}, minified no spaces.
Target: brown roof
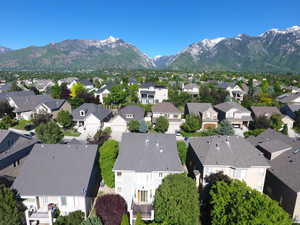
{"x":165,"y":107}
{"x":267,"y":111}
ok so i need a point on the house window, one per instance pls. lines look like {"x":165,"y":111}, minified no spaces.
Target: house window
{"x":119,"y":174}
{"x":63,"y":201}
{"x":82,"y":113}
{"x":143,"y":196}
{"x":129,"y":116}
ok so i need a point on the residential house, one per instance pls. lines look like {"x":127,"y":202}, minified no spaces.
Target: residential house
{"x":132,"y":81}
{"x":119,"y":122}
{"x":289,"y":98}
{"x":47,"y":181}
{"x":14,"y":148}
{"x":232,"y":155}
{"x":69,"y":81}
{"x":5,"y":87}
{"x":236,"y":114}
{"x":87,"y":84}
{"x":205,"y":111}
{"x":42,"y":85}
{"x":290,"y":109}
{"x":26,"y":106}
{"x":268,"y":111}
{"x":191,"y":88}
{"x":90,"y":118}
{"x":6,"y":95}
{"x":150,"y":93}
{"x":170,"y":112}
{"x":234,"y":90}
{"x":103,"y":92}
{"x":282,"y":183}
{"x":143,"y":161}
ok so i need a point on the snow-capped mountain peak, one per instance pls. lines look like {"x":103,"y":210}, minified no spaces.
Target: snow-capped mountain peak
{"x":110,"y":39}
{"x":210,"y":43}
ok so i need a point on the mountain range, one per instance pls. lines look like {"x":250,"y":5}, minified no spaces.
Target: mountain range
{"x":272,"y":51}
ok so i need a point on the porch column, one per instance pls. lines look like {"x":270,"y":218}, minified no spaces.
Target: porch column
{"x":50,"y":217}
{"x":27,"y":217}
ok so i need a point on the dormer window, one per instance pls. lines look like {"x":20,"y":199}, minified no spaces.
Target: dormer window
{"x":82,"y":113}
{"x":129,"y":116}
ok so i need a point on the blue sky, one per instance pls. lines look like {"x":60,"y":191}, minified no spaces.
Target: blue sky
{"x":157,"y":27}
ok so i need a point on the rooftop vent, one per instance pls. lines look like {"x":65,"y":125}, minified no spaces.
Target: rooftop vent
{"x":296,"y":150}
{"x":161,"y":150}
{"x":147,"y":141}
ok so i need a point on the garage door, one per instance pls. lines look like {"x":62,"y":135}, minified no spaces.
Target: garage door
{"x":209,"y":126}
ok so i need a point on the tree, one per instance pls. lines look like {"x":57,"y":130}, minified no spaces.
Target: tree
{"x":264,"y":86}
{"x":285,"y":129}
{"x":76,"y":102}
{"x":65,"y":119}
{"x":7,"y":122}
{"x":108,"y":155}
{"x":182,"y":150}
{"x":276,"y":122}
{"x":39,"y":118}
{"x":111,"y":208}
{"x":139,"y":220}
{"x":133,"y":126}
{"x":92,"y":220}
{"x":49,"y":133}
{"x":15,"y":87}
{"x":143,"y":127}
{"x":161,"y":125}
{"x":64,"y":91}
{"x":192,"y":123}
{"x":225,"y":128}
{"x":116,"y":96}
{"x":101,"y":136}
{"x":177,"y":201}
{"x":125,"y":220}
{"x":245,"y":205}
{"x":73,"y":218}
{"x":55,"y":91}
{"x":262,"y":122}
{"x":132,"y":93}
{"x":5,"y":109}
{"x":76,"y":89}
{"x":11,"y":207}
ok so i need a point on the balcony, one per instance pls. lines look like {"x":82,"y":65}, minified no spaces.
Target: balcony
{"x":146,"y":210}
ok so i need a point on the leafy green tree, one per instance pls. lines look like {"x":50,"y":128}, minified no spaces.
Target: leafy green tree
{"x":285,"y":129}
{"x":49,"y":133}
{"x":143,"y":127}
{"x":125,"y":220}
{"x":65,"y":119}
{"x":55,"y":91}
{"x":139,"y":220}
{"x":192,"y":123}
{"x":182,"y":150}
{"x":73,"y":218}
{"x":76,"y":102}
{"x":133,"y":126}
{"x":161,"y":125}
{"x":11,"y":207}
{"x":245,"y":206}
{"x":108,"y":155}
{"x":262,"y":122}
{"x":276,"y":122}
{"x":264,"y":86}
{"x":92,"y":220}
{"x":225,"y":128}
{"x":177,"y":201}
{"x":5,"y":109}
{"x":132,"y":93}
{"x":116,"y":96}
{"x":76,"y":89}
{"x":7,"y":122}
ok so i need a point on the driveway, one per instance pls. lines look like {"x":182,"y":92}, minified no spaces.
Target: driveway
{"x":116,"y":135}
{"x":240,"y":131}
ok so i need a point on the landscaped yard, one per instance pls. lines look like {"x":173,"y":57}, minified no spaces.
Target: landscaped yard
{"x":72,"y":133}
{"x":21,"y":124}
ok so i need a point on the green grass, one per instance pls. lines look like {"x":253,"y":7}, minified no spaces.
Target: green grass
{"x":72,"y":133}
{"x":199,"y":134}
{"x":21,"y":124}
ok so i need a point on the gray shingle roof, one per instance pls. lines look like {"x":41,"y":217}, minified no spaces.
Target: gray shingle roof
{"x":164,"y":107}
{"x":137,"y":112}
{"x":275,"y":146}
{"x":6,"y":95}
{"x":86,"y":82}
{"x":148,"y":152}
{"x":294,"y":107}
{"x":191,"y":86}
{"x":232,"y":151}
{"x":267,"y":111}
{"x":54,"y":104}
{"x":285,"y":98}
{"x":90,"y":108}
{"x":225,"y":85}
{"x":286,"y":167}
{"x":195,"y":107}
{"x":28,"y":103}
{"x":57,"y":170}
{"x":226,"y":106}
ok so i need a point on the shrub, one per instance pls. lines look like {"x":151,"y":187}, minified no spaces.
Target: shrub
{"x":143,"y":127}
{"x":161,"y":125}
{"x":64,"y":118}
{"x":192,"y":123}
{"x":73,"y":218}
{"x":40,"y":118}
{"x":93,"y":220}
{"x":182,"y":149}
{"x":49,"y":133}
{"x":133,"y":126}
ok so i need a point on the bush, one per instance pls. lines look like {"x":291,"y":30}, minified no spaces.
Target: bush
{"x":225,"y":128}
{"x":139,"y":220}
{"x":92,"y":220}
{"x":7,"y":122}
{"x":49,"y":133}
{"x":40,"y":118}
{"x":285,"y":129}
{"x":108,"y":154}
{"x":133,"y":126}
{"x":125,"y":220}
{"x":182,"y":149}
{"x":143,"y":127}
{"x":74,"y":218}
{"x":253,"y":132}
{"x":161,"y":125}
{"x":177,"y":201}
{"x":192,"y":123}
{"x":5,"y":109}
{"x":110,"y":208}
{"x":262,"y":122}
{"x":101,"y":136}
{"x":65,"y":119}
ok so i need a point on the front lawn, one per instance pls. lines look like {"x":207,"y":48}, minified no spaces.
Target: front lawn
{"x":71,"y":132}
{"x":21,"y":124}
{"x":209,"y":132}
